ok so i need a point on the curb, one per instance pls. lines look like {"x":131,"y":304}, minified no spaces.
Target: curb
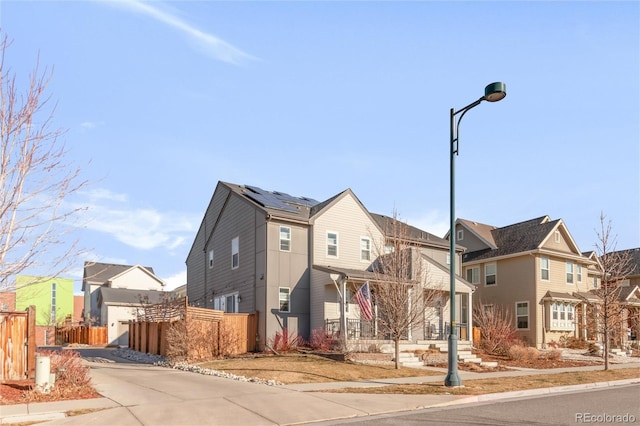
{"x":536,"y":392}
{"x":40,"y":417}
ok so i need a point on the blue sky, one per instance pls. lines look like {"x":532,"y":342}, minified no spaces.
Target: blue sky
{"x":161,"y":100}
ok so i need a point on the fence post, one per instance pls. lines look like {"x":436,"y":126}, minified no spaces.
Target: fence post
{"x":31,"y":342}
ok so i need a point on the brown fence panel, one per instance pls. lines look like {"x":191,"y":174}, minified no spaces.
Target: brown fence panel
{"x":209,"y":333}
{"x":81,"y":334}
{"x":17,"y":345}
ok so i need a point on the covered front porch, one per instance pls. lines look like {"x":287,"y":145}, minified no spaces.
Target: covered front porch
{"x":342,"y":311}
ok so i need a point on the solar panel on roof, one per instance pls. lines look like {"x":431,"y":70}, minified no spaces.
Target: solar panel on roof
{"x":278,"y":200}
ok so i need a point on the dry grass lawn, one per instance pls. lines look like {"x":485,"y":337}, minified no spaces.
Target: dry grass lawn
{"x":503,"y":384}
{"x":307,"y":368}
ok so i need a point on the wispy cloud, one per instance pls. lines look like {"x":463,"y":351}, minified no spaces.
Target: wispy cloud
{"x":141,"y":228}
{"x":211,"y":44}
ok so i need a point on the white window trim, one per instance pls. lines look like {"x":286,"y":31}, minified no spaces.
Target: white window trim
{"x":235,"y":250}
{"x":475,"y":273}
{"x":211,"y":259}
{"x":578,"y":273}
{"x":573,"y":274}
{"x":368,"y":250}
{"x":542,"y":268}
{"x":220,"y":302}
{"x":528,"y":315}
{"x":560,"y":324}
{"x":337,"y":244}
{"x":460,"y":235}
{"x":280,"y":239}
{"x":494,"y":274}
{"x":288,"y":299}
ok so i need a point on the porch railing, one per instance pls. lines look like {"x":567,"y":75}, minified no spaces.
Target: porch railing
{"x":369,"y":330}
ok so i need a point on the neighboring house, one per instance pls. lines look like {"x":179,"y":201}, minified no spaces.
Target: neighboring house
{"x":7,"y":301}
{"x":53,"y":299}
{"x":630,"y":293}
{"x":118,"y":306}
{"x":293,"y":259}
{"x":536,"y":272}
{"x":97,"y":275}
{"x":180,"y":291}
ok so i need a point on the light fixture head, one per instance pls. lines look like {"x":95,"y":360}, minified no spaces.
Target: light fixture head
{"x":495,"y":92}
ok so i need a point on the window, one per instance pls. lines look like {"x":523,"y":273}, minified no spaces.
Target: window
{"x":544,"y":268}
{"x":556,"y":236}
{"x":283,"y":299}
{"x":53,"y":303}
{"x":562,"y":316}
{"x":522,"y":315}
{"x":569,"y":273}
{"x":365,"y":249}
{"x":448,"y":258}
{"x":227,"y":303}
{"x":460,"y":236}
{"x":285,"y":238}
{"x":490,"y":274}
{"x":473,"y":275}
{"x":595,"y":282}
{"x":235,"y":253}
{"x":579,"y":273}
{"x":210,"y":259}
{"x":332,"y":244}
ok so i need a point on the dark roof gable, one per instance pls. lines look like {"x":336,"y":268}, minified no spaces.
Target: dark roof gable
{"x":517,"y":238}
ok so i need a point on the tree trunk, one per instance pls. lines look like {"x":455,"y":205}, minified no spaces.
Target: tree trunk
{"x":397,"y":347}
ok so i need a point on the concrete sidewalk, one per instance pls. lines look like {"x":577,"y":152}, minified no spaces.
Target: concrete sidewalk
{"x":142,"y":394}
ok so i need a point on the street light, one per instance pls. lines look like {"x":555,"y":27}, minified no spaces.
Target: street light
{"x":492,"y":93}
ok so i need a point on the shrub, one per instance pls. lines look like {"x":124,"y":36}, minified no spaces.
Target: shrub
{"x":320,"y":340}
{"x":519,"y":352}
{"x":72,"y":377}
{"x":552,"y":355}
{"x":283,"y":342}
{"x":497,"y":332}
{"x":574,"y":343}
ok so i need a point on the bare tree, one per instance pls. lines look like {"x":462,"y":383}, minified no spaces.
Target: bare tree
{"x":35,"y":180}
{"x":402,"y":291}
{"x":616,"y":266}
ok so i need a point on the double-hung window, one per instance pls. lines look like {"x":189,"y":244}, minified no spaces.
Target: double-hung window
{"x":285,"y":238}
{"x":490,"y":274}
{"x":544,"y":268}
{"x":522,"y":315}
{"x":332,"y":244}
{"x":473,"y":274}
{"x":365,"y":249}
{"x":235,"y":253}
{"x":284,"y":299}
{"x":579,"y":273}
{"x":569,"y":273}
{"x":210,"y":259}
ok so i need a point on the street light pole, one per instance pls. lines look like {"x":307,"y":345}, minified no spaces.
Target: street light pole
{"x":492,"y":93}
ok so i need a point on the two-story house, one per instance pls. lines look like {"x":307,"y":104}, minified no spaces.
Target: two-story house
{"x":535,"y":271}
{"x":112,"y":294}
{"x":294,"y":260}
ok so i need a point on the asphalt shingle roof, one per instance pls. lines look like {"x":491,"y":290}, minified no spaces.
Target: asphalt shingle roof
{"x":517,"y":238}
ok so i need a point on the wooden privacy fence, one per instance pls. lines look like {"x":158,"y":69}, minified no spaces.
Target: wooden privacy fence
{"x":81,"y":334}
{"x":195,"y":333}
{"x":18,"y":345}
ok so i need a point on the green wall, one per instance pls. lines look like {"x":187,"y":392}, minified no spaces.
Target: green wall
{"x":37,"y":291}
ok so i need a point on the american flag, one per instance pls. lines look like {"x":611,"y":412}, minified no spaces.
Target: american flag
{"x":363,"y":296}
